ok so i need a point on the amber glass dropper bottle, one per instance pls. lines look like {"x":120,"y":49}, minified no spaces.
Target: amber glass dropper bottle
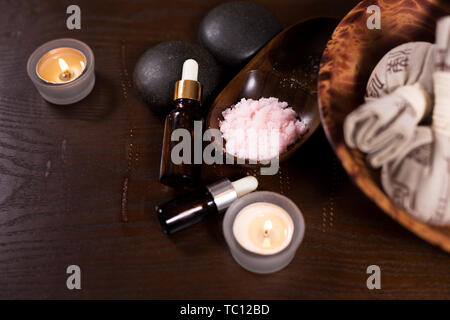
{"x":187,"y":101}
{"x":187,"y":210}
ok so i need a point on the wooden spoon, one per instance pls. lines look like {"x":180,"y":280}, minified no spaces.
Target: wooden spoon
{"x":286,"y":68}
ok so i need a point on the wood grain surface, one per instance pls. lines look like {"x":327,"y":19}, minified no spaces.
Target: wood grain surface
{"x":78,"y":184}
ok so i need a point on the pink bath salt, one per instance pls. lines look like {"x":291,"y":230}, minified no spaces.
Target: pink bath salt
{"x":260,"y":129}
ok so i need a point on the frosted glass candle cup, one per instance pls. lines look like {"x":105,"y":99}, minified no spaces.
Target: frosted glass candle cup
{"x":260,"y":263}
{"x":71,"y":91}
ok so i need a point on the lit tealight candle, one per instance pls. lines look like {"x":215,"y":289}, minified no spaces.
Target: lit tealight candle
{"x":263,"y":231}
{"x":61,"y":65}
{"x":263,"y":228}
{"x":62,"y":70}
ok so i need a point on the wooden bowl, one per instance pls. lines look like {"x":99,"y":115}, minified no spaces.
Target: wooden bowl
{"x":346,"y":65}
{"x":286,"y":68}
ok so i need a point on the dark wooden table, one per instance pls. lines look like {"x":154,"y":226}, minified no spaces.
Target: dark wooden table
{"x":70,"y":176}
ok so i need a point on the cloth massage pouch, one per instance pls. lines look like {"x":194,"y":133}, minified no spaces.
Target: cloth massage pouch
{"x":398,"y":98}
{"x":419,"y":179}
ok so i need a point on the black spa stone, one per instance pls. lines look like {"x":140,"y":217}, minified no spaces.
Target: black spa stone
{"x":234,"y":31}
{"x":160,"y":67}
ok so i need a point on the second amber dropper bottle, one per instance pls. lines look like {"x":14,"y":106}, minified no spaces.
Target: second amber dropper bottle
{"x":187,"y":102}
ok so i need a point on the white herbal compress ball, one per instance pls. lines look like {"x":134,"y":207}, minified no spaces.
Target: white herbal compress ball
{"x":397,"y":100}
{"x":419,"y":179}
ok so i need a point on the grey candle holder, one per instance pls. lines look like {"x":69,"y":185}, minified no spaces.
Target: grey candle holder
{"x":64,"y":93}
{"x":263,"y":263}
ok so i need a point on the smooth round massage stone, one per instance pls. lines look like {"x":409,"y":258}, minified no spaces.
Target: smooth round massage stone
{"x":160,"y":67}
{"x":234,"y":31}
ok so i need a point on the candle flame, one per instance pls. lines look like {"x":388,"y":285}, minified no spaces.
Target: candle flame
{"x":267,"y":226}
{"x":63,"y":65}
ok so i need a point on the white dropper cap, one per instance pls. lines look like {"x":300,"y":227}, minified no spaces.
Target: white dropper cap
{"x":245,"y":185}
{"x":190,"y":70}
{"x":225,"y":192}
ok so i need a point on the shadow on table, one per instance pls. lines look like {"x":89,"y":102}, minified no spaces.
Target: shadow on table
{"x":97,"y":106}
